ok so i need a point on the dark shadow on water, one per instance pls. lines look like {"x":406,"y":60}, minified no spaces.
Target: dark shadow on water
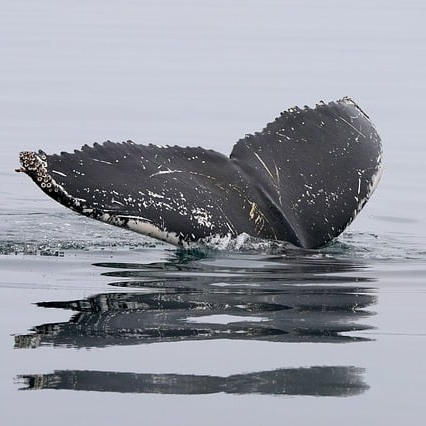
{"x":315,"y":381}
{"x":201,"y":295}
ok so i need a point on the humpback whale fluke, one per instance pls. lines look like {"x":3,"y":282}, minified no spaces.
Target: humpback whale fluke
{"x":302,"y":179}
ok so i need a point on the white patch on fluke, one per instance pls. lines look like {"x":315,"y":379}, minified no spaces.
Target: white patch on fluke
{"x":202,"y":217}
{"x":143,"y":227}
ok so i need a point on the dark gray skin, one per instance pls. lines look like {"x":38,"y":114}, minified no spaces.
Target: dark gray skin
{"x":302,"y":179}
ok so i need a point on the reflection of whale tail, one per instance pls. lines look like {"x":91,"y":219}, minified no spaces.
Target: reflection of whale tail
{"x":302,"y":179}
{"x":318,"y":381}
{"x":182,"y":311}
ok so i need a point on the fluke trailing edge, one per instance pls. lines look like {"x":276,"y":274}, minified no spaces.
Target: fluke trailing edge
{"x":302,"y":179}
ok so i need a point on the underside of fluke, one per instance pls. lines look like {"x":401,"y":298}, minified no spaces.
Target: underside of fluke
{"x":302,"y":179}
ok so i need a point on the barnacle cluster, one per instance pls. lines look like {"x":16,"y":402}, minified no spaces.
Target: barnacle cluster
{"x":35,"y":165}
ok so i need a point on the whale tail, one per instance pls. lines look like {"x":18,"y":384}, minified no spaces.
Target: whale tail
{"x":302,"y":179}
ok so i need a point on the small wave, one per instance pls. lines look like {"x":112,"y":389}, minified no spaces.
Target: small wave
{"x":59,"y":248}
{"x":55,"y":233}
{"x":244,"y":242}
{"x":351,"y":244}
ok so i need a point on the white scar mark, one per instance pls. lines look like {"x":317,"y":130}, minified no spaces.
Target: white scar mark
{"x":350,"y":125}
{"x":101,"y":161}
{"x":277,"y":173}
{"x":137,"y":218}
{"x":264,"y":165}
{"x":276,"y":181}
{"x":165,"y":172}
{"x":59,"y":173}
{"x":154,"y":194}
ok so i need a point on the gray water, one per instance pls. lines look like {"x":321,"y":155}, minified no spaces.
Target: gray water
{"x":102,"y":326}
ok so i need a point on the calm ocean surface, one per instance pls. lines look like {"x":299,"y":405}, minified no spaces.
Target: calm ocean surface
{"x":102,"y":326}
